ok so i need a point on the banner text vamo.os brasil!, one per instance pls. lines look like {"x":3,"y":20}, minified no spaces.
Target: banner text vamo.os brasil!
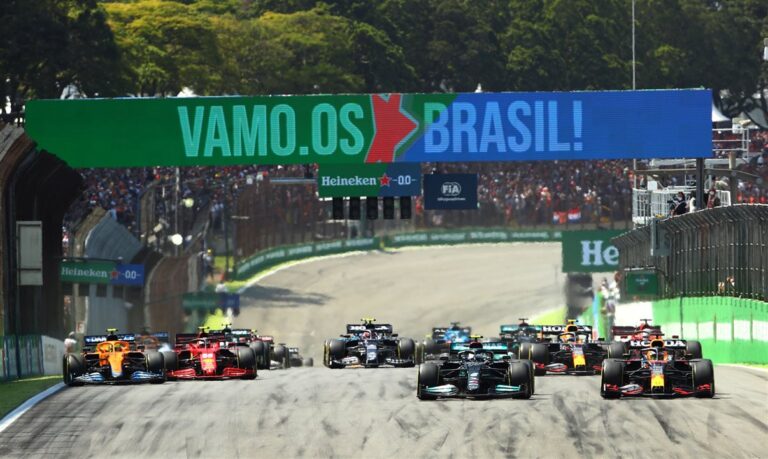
{"x":373,"y":128}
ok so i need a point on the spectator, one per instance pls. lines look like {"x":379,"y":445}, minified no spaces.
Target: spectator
{"x":679,"y":205}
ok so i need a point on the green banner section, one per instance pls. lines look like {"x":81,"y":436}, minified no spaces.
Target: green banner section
{"x":271,"y":257}
{"x":590,"y":251}
{"x":731,"y":330}
{"x":642,"y":284}
{"x":471,"y":236}
{"x":87,"y":272}
{"x":220,"y":131}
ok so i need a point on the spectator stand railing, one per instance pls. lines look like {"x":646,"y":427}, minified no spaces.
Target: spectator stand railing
{"x":720,"y":251}
{"x":650,"y":204}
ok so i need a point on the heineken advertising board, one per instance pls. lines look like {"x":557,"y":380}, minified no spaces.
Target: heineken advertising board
{"x":590,"y":251}
{"x":371,"y":128}
{"x":642,"y":283}
{"x":101,"y":272}
{"x":369,"y":180}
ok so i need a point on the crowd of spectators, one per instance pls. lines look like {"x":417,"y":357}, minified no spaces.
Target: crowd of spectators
{"x":511,"y":193}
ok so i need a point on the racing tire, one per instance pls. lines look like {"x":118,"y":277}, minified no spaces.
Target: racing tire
{"x":406,"y":349}
{"x":431,"y":347}
{"x":155,"y":363}
{"x":170,"y":360}
{"x":418,"y":357}
{"x":532,"y":369}
{"x":246,"y":360}
{"x":326,"y":354}
{"x":429,"y":376}
{"x":703,"y":373}
{"x":261,"y":352}
{"x":72,"y":368}
{"x":612,"y":373}
{"x":693,"y":349}
{"x":337,"y":350}
{"x":308,"y":362}
{"x":519,"y":374}
{"x":281,"y":355}
{"x":616,"y":350}
{"x":524,"y":351}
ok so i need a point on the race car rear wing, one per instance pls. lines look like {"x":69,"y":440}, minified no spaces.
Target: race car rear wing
{"x":356,"y":329}
{"x":184,"y":338}
{"x":668,"y":343}
{"x":438,"y":332}
{"x":558,"y":329}
{"x":90,"y":341}
{"x":516,"y":328}
{"x":495,"y":347}
{"x":624,"y":332}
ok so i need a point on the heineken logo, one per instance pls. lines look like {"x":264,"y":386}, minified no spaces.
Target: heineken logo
{"x":369,"y":180}
{"x":590,"y":251}
{"x":384,"y":180}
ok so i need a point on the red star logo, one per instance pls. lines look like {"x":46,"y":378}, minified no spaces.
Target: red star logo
{"x":384,"y":180}
{"x":114,"y":274}
{"x":392,"y":126}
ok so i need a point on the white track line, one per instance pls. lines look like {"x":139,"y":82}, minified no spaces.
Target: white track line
{"x":11,"y":417}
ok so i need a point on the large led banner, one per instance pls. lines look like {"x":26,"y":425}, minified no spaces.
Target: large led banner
{"x":356,"y":129}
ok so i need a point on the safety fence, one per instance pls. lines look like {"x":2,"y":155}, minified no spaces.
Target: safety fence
{"x":731,"y":330}
{"x":271,"y":257}
{"x":29,"y":355}
{"x":721,"y":251}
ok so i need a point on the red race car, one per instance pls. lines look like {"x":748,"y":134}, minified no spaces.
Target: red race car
{"x":208,"y":356}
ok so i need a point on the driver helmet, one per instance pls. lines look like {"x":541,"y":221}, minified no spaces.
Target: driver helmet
{"x":470,"y":355}
{"x":367,"y":334}
{"x":567,"y":337}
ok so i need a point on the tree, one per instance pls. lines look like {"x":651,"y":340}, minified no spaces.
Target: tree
{"x":168,"y":46}
{"x":48,"y":44}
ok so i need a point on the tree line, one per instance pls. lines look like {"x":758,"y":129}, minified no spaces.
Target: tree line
{"x":250,"y":47}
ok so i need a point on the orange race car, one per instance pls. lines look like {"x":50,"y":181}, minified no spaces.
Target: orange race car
{"x":113,"y":358}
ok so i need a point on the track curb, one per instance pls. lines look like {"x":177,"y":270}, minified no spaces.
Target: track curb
{"x":11,"y":417}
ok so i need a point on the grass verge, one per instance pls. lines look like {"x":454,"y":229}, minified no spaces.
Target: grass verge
{"x":14,"y":393}
{"x":553,"y":317}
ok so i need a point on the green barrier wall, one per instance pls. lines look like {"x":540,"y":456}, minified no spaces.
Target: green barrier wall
{"x":731,"y":330}
{"x":268,"y":258}
{"x":31,"y":353}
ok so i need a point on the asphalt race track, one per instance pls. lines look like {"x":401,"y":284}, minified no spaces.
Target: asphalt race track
{"x":317,"y":412}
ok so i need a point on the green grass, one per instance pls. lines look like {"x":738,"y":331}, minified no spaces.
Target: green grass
{"x":14,"y":393}
{"x":553,"y":317}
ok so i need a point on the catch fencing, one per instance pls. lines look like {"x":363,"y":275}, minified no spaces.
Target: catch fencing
{"x":29,"y":355}
{"x":721,"y":251}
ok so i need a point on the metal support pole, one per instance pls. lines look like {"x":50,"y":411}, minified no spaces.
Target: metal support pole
{"x":225,"y":221}
{"x":699,"y":182}
{"x":177,"y":190}
{"x":634,"y":86}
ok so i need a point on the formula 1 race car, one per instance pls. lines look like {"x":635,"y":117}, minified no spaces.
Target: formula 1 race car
{"x":111,"y":359}
{"x":268,"y":355}
{"x":296,"y":360}
{"x":657,"y":368}
{"x":515,"y":335}
{"x":209,"y":356}
{"x":369,"y":345}
{"x":624,"y":335}
{"x":475,"y":370}
{"x":571,"y":350}
{"x":439,"y":341}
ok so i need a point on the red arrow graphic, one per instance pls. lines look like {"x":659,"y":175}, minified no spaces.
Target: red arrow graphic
{"x":392,"y":126}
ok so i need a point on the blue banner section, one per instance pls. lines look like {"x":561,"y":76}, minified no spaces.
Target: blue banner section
{"x":403,"y":179}
{"x":575,"y":125}
{"x":450,"y":191}
{"x":128,"y":275}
